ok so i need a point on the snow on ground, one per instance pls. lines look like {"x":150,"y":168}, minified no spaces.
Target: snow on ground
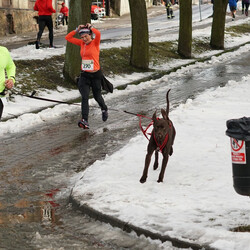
{"x":196,"y":202}
{"x":29,"y":52}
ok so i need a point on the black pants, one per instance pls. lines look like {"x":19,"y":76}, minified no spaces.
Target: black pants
{"x":169,"y":11}
{"x":1,"y":108}
{"x":246,"y":8}
{"x":66,"y":19}
{"x":86,"y":81}
{"x":44,"y":21}
{"x":243,"y":4}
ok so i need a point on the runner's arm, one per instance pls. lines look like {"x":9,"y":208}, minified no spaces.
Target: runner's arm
{"x":50,"y":7}
{"x":35,"y":7}
{"x":97,"y":33}
{"x":70,"y":38}
{"x":11,"y":69}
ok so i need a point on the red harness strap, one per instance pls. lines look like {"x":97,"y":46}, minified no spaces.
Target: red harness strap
{"x":144,"y":131}
{"x":146,"y":134}
{"x":161,"y":147}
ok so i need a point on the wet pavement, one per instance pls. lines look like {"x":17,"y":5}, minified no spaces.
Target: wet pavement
{"x":36,"y":165}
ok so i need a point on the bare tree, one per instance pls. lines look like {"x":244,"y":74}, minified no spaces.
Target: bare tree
{"x":218,"y":25}
{"x":185,"y":29}
{"x":79,"y":13}
{"x":139,"y":56}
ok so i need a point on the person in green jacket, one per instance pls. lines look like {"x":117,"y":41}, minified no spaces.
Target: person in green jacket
{"x":6,"y":66}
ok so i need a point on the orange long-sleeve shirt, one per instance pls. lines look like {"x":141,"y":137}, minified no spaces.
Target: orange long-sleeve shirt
{"x":44,"y":7}
{"x":89,"y":51}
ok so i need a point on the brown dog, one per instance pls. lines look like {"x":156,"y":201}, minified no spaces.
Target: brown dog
{"x":162,"y":139}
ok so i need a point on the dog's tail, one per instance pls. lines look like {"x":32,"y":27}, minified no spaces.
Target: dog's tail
{"x":167,"y":109}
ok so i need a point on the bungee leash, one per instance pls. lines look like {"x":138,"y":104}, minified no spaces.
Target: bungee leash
{"x":42,"y":98}
{"x":70,"y":103}
{"x":144,"y":131}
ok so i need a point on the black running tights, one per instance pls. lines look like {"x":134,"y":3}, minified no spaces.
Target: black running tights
{"x":84,"y":85}
{"x":44,"y":21}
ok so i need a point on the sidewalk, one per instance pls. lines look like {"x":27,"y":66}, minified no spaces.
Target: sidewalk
{"x":61,"y":31}
{"x":125,"y":20}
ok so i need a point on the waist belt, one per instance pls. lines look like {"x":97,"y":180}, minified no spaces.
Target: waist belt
{"x":97,"y":74}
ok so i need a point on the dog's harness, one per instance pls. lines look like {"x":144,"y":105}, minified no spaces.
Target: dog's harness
{"x":160,"y":147}
{"x":144,"y":131}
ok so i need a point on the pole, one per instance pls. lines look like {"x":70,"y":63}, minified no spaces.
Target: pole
{"x":200,"y":9}
{"x":107,"y":7}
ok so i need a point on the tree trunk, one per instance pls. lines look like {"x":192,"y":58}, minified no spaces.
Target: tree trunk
{"x":79,"y":13}
{"x":185,"y":29}
{"x":218,"y":25}
{"x":139,"y":56}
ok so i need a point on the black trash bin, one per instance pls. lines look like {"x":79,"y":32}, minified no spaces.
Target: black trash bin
{"x":239,"y":132}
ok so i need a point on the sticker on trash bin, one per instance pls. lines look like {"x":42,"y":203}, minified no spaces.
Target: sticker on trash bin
{"x":238,"y":151}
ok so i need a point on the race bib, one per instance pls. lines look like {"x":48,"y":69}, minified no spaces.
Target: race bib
{"x":87,"y":65}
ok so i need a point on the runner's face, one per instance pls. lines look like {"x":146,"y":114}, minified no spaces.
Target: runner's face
{"x":86,"y":38}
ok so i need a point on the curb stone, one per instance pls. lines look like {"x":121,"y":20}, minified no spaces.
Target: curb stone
{"x":127,"y":227}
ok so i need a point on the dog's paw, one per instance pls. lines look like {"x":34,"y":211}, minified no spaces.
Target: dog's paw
{"x":160,"y":180}
{"x":143,"y":180}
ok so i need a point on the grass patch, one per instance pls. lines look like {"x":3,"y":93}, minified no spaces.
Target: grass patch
{"x":201,"y":46}
{"x":116,"y":61}
{"x":238,"y":29}
{"x":162,"y":52}
{"x":245,"y":228}
{"x":40,"y":74}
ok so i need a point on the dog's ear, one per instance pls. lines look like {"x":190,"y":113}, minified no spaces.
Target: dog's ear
{"x":154,"y":116}
{"x":164,"y":114}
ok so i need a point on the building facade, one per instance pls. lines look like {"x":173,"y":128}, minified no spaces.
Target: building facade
{"x":121,"y":7}
{"x":17,"y":16}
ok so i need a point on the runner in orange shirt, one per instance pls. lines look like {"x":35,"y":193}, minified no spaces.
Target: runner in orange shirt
{"x":91,"y":75}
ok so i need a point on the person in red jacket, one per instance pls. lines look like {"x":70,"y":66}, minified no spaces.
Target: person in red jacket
{"x":45,"y":10}
{"x":91,"y":75}
{"x":65,"y":11}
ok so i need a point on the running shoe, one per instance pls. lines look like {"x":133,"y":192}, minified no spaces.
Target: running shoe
{"x":105,"y":115}
{"x":83,"y":124}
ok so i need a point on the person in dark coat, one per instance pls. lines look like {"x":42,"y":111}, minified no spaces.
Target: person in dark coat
{"x":45,"y":10}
